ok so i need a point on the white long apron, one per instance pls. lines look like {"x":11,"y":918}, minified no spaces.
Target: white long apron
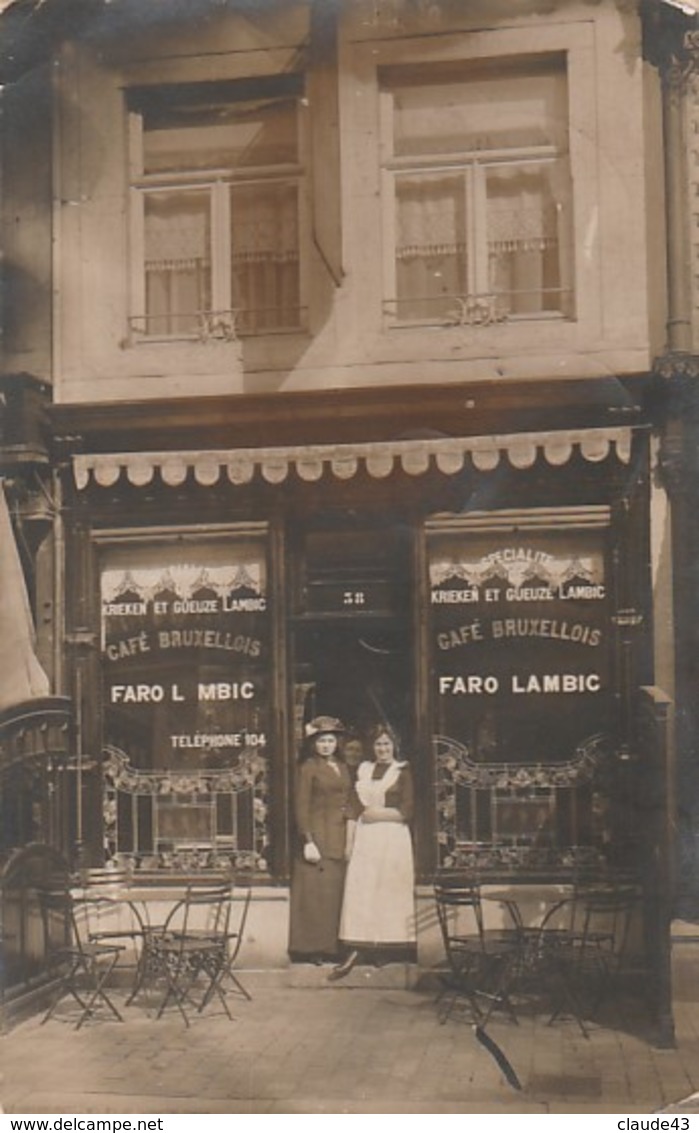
{"x":379,"y":903}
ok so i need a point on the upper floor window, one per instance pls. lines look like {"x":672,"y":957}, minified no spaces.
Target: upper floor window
{"x":217,"y":179}
{"x":476,"y":191}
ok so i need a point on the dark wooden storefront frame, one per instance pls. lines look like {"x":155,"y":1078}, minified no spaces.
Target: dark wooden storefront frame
{"x":340,"y":417}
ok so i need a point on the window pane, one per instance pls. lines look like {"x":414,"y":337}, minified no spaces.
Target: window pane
{"x":236,"y":143}
{"x":248,"y":134}
{"x":431,"y":240}
{"x":177,"y":261}
{"x":528,"y":238}
{"x":185,"y":662}
{"x":482,"y":191}
{"x":265,"y":256}
{"x":440,"y":112}
{"x":192,"y":693}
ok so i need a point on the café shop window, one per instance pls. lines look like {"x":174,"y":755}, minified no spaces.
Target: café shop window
{"x":522,"y":675}
{"x":477,"y":191}
{"x":217,"y":208}
{"x":185,"y":657}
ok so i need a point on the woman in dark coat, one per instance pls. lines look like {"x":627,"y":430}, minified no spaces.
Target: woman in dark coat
{"x":322,"y":808}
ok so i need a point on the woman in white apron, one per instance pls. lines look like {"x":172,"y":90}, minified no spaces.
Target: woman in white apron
{"x":378,"y":908}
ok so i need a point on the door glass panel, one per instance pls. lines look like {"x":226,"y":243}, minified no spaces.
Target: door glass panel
{"x":353,"y":630}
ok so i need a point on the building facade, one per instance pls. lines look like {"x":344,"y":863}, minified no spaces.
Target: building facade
{"x":349,"y":315}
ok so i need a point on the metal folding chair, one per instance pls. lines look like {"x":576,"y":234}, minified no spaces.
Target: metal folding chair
{"x":240,"y":906}
{"x":478,"y":961}
{"x":595,"y":949}
{"x":112,"y":916}
{"x":189,"y":955}
{"x":81,"y":966}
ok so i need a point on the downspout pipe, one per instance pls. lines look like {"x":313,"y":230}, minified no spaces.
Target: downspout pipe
{"x":671,"y":44}
{"x":679,"y":281}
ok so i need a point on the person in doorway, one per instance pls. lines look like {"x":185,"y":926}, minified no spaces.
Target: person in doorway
{"x":353,"y":754}
{"x":323,"y":802}
{"x":378,"y":909}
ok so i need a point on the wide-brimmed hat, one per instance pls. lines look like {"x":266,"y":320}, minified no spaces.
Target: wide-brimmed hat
{"x":324,"y":724}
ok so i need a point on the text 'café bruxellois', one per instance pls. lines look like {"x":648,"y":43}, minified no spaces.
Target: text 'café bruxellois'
{"x":505,"y":645}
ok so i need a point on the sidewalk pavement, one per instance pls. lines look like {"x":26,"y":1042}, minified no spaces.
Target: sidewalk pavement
{"x":332,"y":1048}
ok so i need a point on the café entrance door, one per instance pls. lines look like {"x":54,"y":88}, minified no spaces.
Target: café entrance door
{"x":353,"y":631}
{"x":357,"y":671}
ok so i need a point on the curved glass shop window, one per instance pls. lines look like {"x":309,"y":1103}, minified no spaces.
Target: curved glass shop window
{"x":185,"y":692}
{"x":522,"y":675}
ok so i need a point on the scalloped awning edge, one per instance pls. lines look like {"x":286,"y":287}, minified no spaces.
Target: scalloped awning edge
{"x":343,"y":461}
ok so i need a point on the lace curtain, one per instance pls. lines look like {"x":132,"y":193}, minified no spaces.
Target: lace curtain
{"x":265,"y":255}
{"x":431,"y":217}
{"x":263,"y":258}
{"x":521,"y":217}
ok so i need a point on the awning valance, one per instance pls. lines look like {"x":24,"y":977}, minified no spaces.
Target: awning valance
{"x":379,"y":458}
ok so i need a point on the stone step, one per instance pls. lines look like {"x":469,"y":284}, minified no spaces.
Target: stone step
{"x":362,"y":975}
{"x":387,"y":976}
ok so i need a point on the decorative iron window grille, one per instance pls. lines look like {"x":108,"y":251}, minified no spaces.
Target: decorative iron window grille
{"x":497,"y":815}
{"x":186,"y":820}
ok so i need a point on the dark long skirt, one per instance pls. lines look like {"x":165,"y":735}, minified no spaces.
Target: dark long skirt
{"x":316,"y":902}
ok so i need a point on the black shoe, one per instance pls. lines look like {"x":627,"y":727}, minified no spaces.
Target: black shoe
{"x":343,"y":969}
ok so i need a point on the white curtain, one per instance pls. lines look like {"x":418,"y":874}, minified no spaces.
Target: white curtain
{"x":431,"y":216}
{"x":178,"y":268}
{"x":523,"y":239}
{"x":431,"y":245}
{"x":263,"y":258}
{"x":265,"y":255}
{"x":516,"y":207}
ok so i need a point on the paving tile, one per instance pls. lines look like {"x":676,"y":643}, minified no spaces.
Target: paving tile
{"x":369,"y":1049}
{"x":566,"y":1086}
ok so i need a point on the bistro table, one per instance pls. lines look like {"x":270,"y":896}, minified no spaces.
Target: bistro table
{"x":115,"y":908}
{"x":121,"y":907}
{"x":524,"y":906}
{"x":572,"y":938}
{"x":540,"y":919}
